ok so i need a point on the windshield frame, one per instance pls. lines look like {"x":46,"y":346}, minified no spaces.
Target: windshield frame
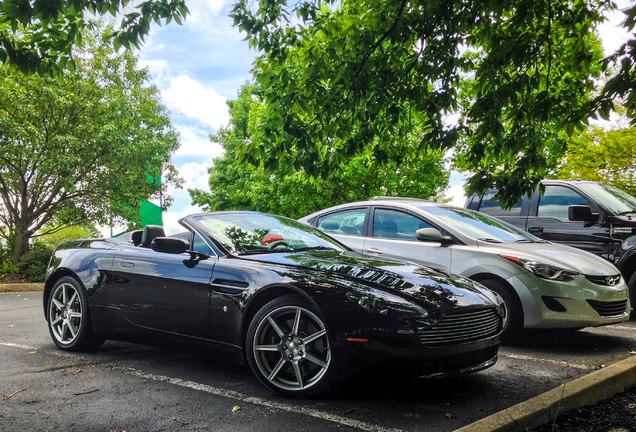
{"x":300,"y":236}
{"x":611,"y":198}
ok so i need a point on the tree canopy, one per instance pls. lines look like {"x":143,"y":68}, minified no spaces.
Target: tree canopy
{"x":283,"y":189}
{"x":82,"y":146}
{"x":38,"y":35}
{"x":607,"y":156}
{"x":343,"y":76}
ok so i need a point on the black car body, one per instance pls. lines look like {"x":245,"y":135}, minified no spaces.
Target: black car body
{"x":255,"y":301}
{"x":587,"y":215}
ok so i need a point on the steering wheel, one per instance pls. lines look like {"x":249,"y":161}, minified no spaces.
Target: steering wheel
{"x":278,"y":244}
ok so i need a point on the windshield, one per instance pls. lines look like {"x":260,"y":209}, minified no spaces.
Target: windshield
{"x":615,"y":200}
{"x":478,"y":225}
{"x":256,"y":233}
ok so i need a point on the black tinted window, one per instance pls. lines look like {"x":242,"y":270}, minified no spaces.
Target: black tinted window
{"x":492,"y":206}
{"x":201,"y":246}
{"x":556,"y":200}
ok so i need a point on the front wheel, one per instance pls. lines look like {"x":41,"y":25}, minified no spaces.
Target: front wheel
{"x":68,"y":317}
{"x":513,"y":324}
{"x":289,"y":349}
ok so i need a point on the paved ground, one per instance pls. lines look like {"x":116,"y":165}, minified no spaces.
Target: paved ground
{"x":134,"y":388}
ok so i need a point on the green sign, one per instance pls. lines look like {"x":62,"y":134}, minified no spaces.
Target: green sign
{"x":150,"y":214}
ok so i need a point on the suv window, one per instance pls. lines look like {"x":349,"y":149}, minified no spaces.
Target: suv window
{"x":396,"y":224}
{"x":556,"y":200}
{"x":492,"y":206}
{"x":343,"y":222}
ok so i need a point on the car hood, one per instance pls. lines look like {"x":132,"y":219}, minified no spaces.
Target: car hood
{"x":562,"y":256}
{"x":427,"y":285}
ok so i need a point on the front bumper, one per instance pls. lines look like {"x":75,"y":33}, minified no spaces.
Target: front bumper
{"x":393,"y":362}
{"x":576,"y":304}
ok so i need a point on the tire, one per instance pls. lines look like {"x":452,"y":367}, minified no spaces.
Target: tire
{"x":513,"y":325}
{"x":69,"y":318}
{"x":632,"y":290}
{"x":289,"y":349}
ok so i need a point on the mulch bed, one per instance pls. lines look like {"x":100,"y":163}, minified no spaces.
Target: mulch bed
{"x":10,"y":278}
{"x":615,"y":413}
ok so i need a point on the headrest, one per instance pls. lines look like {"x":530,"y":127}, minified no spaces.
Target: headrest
{"x":150,"y":232}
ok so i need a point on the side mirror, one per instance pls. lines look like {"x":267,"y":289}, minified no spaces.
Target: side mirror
{"x":581,"y":213}
{"x":169,"y":245}
{"x":431,"y":235}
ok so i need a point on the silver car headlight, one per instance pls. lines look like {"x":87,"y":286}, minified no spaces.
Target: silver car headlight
{"x":543,"y":270}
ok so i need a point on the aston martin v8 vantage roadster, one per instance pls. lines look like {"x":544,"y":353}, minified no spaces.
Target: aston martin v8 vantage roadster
{"x":297,"y":306}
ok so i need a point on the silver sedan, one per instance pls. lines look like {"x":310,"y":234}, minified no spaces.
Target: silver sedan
{"x":543,"y":285}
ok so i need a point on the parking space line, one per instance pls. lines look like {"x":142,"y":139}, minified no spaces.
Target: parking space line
{"x":543,"y":360}
{"x":231,"y":394}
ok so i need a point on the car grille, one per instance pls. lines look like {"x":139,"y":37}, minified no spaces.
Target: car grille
{"x":604,"y":280}
{"x":609,"y":309}
{"x":462,"y":326}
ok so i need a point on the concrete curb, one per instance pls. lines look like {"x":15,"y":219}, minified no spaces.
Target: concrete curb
{"x":22,"y":287}
{"x":587,"y":390}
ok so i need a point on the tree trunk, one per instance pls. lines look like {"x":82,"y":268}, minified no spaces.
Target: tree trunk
{"x":21,"y":245}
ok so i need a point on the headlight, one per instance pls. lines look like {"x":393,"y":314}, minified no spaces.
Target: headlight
{"x":384,"y":303}
{"x":543,"y":270}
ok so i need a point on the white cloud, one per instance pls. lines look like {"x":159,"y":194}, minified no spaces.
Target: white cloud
{"x":196,"y":142}
{"x":195,"y":101}
{"x":457,"y":195}
{"x":203,"y":11}
{"x":195,"y":175}
{"x":171,"y":219}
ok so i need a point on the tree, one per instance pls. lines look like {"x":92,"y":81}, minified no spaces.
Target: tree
{"x":282,"y":189}
{"x":344,"y":76}
{"x":38,"y":35}
{"x":80,"y":147}
{"x":604,"y":156}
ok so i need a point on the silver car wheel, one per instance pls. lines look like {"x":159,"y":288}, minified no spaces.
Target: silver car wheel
{"x":291,"y":348}
{"x":65,"y":314}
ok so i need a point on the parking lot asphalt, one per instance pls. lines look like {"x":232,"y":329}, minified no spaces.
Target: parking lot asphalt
{"x":134,"y":388}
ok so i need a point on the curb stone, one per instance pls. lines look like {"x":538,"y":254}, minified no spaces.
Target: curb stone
{"x":22,"y":287}
{"x":544,"y":408}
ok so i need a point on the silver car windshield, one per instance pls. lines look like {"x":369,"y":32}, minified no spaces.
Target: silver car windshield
{"x":479,"y":226}
{"x":615,"y":200}
{"x":255,"y":233}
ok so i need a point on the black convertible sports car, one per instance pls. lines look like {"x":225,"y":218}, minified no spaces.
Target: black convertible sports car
{"x":299,"y":307}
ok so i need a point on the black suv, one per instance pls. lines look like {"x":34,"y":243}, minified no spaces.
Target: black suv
{"x":588,"y":215}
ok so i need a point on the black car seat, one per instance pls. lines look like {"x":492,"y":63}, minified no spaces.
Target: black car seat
{"x":149,"y":234}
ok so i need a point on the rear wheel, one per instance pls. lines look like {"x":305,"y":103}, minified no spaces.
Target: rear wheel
{"x":513,"y":324}
{"x":68,"y":317}
{"x":289,"y":349}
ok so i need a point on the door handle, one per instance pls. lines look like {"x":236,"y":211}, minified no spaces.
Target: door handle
{"x":536,"y":230}
{"x":126,"y":264}
{"x":373,"y":251}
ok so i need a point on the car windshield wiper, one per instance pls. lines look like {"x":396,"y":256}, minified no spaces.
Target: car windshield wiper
{"x":306,"y":248}
{"x":524,"y":241}
{"x":627,"y":212}
{"x":490,"y":240}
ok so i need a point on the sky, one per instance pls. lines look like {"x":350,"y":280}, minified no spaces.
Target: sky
{"x":200,"y":65}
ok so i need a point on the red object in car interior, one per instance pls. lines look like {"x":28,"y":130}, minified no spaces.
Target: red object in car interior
{"x":269,"y":238}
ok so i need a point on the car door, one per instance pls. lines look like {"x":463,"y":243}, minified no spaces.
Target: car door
{"x":549,"y":220}
{"x":162,"y":291}
{"x":347,"y":226}
{"x":392,"y":235}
